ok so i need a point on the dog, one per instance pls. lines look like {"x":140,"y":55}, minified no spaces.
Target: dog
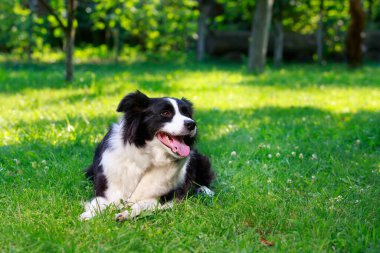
{"x":147,"y":160}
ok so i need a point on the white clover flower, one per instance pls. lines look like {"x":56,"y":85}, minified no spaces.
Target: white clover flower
{"x":229,"y":162}
{"x":300,"y":156}
{"x":314,"y":157}
{"x":233,"y":153}
{"x":357,"y":201}
{"x":17,"y":162}
{"x":70,"y":128}
{"x":43,"y":162}
{"x":269,"y":181}
{"x":357,"y":142}
{"x":34,"y":164}
{"x":248,"y":162}
{"x":313,"y":178}
{"x":339,"y":198}
{"x":269,"y":156}
{"x":289,"y":181}
{"x":278,"y":154}
{"x":294,"y":153}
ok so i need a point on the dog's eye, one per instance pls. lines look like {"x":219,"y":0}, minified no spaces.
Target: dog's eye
{"x":166,"y":114}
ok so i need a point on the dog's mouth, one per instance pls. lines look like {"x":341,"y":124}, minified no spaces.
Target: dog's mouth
{"x":175,"y":143}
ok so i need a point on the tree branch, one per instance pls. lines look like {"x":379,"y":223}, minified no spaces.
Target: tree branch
{"x":52,"y":12}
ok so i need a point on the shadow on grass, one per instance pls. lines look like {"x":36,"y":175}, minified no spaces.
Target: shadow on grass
{"x":47,"y":176}
{"x":17,"y":77}
{"x":311,"y":130}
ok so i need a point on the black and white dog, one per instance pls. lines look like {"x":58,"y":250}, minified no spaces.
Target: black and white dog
{"x":147,"y":160}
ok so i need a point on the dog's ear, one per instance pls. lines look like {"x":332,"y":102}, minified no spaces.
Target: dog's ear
{"x":133,"y":103}
{"x":189,"y":105}
{"x":133,"y":106}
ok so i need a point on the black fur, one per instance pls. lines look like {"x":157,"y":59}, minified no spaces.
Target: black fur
{"x":199,"y":173}
{"x":142,"y":121}
{"x":95,"y":171}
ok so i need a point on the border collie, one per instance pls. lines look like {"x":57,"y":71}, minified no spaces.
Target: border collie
{"x":148,"y":160}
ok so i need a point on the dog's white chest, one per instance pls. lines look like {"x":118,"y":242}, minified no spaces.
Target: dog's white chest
{"x":134,"y":174}
{"x":158,"y":181}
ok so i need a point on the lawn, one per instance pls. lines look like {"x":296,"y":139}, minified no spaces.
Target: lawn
{"x":306,"y":174}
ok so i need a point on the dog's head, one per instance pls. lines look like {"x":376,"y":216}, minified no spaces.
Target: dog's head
{"x":169,"y":120}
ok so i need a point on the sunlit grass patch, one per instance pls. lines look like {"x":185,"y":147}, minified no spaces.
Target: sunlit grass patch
{"x":296,"y":151}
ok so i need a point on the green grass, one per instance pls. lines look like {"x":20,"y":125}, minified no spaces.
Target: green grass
{"x":329,"y":203}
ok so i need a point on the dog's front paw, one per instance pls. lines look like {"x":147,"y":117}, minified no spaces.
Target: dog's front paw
{"x":203,"y":190}
{"x":128,"y":215}
{"x":120,"y":217}
{"x":86,"y":216}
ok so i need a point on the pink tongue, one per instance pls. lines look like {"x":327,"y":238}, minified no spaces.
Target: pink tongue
{"x":179,"y":147}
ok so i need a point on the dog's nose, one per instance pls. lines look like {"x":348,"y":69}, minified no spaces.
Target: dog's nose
{"x":189,"y":124}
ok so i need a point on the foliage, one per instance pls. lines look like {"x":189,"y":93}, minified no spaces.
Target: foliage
{"x":154,"y":25}
{"x":163,"y":26}
{"x":17,"y":20}
{"x":14,"y":25}
{"x":305,"y":174}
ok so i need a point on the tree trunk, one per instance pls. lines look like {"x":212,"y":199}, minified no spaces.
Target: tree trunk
{"x":33,"y":9}
{"x":204,"y":11}
{"x":278,"y":43}
{"x":355,"y":34}
{"x":320,"y":32}
{"x":258,"y":41}
{"x":70,"y":39}
{"x":116,"y":42}
{"x":369,"y":12}
{"x":279,"y":34}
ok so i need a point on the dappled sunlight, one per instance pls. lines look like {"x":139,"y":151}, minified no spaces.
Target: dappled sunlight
{"x":276,"y":141}
{"x":285,"y":98}
{"x":41,"y":95}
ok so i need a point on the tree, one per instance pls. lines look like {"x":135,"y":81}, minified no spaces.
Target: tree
{"x":354,"y":36}
{"x":204,"y":7}
{"x":32,"y":7}
{"x":258,"y":41}
{"x":69,"y":31}
{"x":320,"y":32}
{"x":279,"y":32}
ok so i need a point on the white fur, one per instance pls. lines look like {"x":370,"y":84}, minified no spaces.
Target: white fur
{"x":139,"y":176}
{"x":93,"y":207}
{"x":176,"y":125}
{"x":144,"y":205}
{"x":204,"y":190}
